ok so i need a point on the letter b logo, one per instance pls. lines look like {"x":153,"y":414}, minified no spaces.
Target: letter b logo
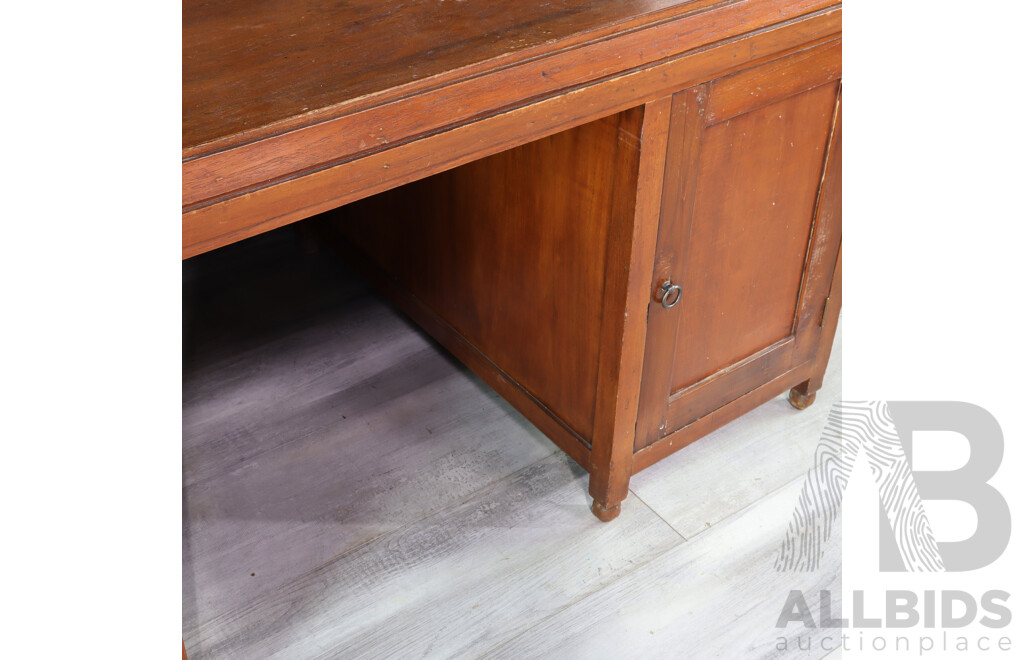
{"x":967,"y":484}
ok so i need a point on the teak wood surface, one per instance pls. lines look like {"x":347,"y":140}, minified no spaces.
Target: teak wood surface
{"x":497,"y":283}
{"x":326,"y":136}
{"x":740,"y":233}
{"x":549,"y":167}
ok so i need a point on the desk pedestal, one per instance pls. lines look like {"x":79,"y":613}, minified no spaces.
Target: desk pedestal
{"x":633,"y":283}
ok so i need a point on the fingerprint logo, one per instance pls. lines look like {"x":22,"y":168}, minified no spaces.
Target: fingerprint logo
{"x":853,"y":428}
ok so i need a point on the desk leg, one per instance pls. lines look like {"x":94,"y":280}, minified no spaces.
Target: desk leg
{"x":624,"y":328}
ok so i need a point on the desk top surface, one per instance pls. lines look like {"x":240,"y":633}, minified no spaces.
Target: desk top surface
{"x":252,"y":68}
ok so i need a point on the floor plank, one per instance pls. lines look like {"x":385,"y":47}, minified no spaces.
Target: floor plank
{"x":716,"y":596}
{"x":453,"y":584}
{"x":326,"y":484}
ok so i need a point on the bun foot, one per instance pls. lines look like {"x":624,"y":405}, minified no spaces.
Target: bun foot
{"x":799,"y":400}
{"x":606,"y":515}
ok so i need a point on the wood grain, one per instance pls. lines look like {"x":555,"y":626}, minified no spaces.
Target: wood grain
{"x":513,"y":252}
{"x":276,"y":201}
{"x":246,"y":67}
{"x":757,"y":186}
{"x":249,"y":72}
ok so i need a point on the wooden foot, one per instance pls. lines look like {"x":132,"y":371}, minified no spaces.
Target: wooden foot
{"x":799,"y":400}
{"x":606,"y":515}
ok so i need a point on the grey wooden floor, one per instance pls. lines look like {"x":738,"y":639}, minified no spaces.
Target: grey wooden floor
{"x":351,"y":491}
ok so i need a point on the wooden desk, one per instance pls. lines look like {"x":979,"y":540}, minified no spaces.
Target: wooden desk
{"x":624,"y":216}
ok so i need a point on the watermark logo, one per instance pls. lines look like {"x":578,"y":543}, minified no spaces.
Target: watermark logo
{"x":882,"y":431}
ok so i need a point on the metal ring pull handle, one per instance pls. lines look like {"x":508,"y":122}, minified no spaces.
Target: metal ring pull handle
{"x":670,"y":294}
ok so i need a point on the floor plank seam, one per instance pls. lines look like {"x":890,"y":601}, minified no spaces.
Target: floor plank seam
{"x":655,"y":512}
{"x":491,"y":651}
{"x":630,"y":574}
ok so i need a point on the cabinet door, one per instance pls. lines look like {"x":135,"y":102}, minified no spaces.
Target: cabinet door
{"x":744,"y":236}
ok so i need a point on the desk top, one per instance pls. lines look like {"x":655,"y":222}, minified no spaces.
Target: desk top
{"x":294,"y":107}
{"x":250,"y":68}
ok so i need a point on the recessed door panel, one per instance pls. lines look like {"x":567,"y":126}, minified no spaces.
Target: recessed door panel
{"x":757,"y":183}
